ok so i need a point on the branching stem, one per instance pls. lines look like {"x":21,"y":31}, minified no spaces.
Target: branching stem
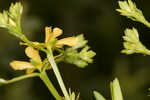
{"x":50,"y":86}
{"x":21,"y":78}
{"x":57,"y":73}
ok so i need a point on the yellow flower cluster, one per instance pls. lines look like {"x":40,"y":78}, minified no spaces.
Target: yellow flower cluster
{"x":51,"y":35}
{"x":36,"y":62}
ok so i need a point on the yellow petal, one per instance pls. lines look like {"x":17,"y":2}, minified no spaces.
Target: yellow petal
{"x":33,"y":54}
{"x":21,"y":65}
{"x":57,"y":32}
{"x":29,"y":71}
{"x":48,"y":33}
{"x":35,"y":43}
{"x":70,"y":41}
{"x":51,"y":35}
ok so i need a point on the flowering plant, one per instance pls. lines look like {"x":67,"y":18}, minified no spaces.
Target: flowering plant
{"x":73,"y":50}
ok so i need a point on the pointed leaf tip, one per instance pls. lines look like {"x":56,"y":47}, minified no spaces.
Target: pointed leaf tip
{"x":98,"y":96}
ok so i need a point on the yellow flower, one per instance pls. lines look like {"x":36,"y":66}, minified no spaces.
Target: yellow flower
{"x":36,"y":62}
{"x":21,"y":65}
{"x":51,"y":39}
{"x":33,"y":54}
{"x":50,"y":35}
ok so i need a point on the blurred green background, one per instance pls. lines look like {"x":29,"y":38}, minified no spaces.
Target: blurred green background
{"x":102,"y":26}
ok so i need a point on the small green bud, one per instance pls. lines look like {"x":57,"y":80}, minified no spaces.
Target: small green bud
{"x":81,"y":42}
{"x":132,"y":43}
{"x":124,"y":6}
{"x":116,"y":90}
{"x":87,"y":55}
{"x":3,"y":19}
{"x":79,"y":58}
{"x":98,"y":96}
{"x":15,"y":11}
{"x":73,"y":96}
{"x":11,"y":19}
{"x":132,"y":34}
{"x":129,"y":9}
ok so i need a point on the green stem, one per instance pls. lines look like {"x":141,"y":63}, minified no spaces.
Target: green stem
{"x":24,"y":39}
{"x":57,"y":73}
{"x":59,"y":50}
{"x":146,"y":52}
{"x":146,"y":23}
{"x":60,"y":59}
{"x":20,"y":78}
{"x":50,"y":86}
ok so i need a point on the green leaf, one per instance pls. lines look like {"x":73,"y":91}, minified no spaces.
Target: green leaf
{"x":98,"y":96}
{"x":116,"y":90}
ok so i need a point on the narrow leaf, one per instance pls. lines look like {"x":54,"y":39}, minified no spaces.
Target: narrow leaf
{"x":98,"y":96}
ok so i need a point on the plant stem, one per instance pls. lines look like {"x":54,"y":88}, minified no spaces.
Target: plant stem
{"x":59,"y":59}
{"x":24,"y":39}
{"x":20,"y":78}
{"x":50,"y":86}
{"x":57,"y":73}
{"x":146,"y":23}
